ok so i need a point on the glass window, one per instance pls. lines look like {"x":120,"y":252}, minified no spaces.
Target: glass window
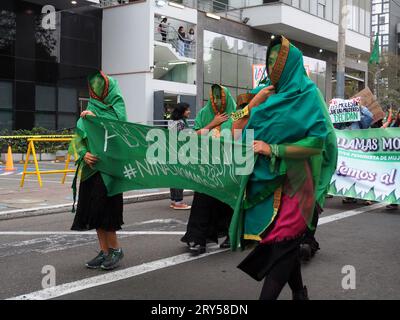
{"x":260,"y":52}
{"x":47,"y":121}
{"x":66,"y":121}
{"x":377,"y":8}
{"x":245,"y":72}
{"x":229,"y":44}
{"x":5,"y":95}
{"x":384,"y":29}
{"x":45,"y":98}
{"x":207,"y":90}
{"x":212,"y":40}
{"x":374,"y":19}
{"x":67,"y":99}
{"x":386,"y":7}
{"x":212,"y":65}
{"x":6,"y":119}
{"x":229,"y":69}
{"x":385,"y":40}
{"x":245,"y":48}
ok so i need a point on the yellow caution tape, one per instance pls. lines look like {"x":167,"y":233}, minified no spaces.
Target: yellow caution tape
{"x":37,"y":137}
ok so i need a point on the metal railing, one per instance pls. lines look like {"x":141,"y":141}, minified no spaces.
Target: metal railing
{"x":168,"y":34}
{"x":221,"y":8}
{"x":212,"y":6}
{"x":165,"y":123}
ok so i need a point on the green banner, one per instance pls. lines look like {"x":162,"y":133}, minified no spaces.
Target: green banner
{"x":368,"y":165}
{"x":133,"y":156}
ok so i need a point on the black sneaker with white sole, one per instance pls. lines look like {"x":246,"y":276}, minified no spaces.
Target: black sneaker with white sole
{"x":96,"y":262}
{"x":113,"y":259}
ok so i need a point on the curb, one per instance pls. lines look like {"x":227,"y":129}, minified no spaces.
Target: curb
{"x":66,"y":207}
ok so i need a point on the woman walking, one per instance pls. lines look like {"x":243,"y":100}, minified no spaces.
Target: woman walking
{"x":291,"y":127}
{"x":95,"y":209}
{"x":209,"y":218}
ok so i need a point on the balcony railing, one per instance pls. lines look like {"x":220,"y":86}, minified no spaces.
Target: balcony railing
{"x":184,"y":47}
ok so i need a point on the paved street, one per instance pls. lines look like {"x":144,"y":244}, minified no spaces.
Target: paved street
{"x":51,"y":195}
{"x":156,"y":265}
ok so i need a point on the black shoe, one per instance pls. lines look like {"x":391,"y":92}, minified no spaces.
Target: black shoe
{"x":305,"y":252}
{"x":96,"y":262}
{"x":349,"y":200}
{"x":226,"y":244}
{"x":197,"y":249}
{"x":314,"y":247}
{"x":113,"y":259}
{"x":301,"y":294}
{"x":392,"y":207}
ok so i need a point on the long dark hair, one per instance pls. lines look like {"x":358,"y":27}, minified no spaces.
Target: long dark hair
{"x":179,"y":111}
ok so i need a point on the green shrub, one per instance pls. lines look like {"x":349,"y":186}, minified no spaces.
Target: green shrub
{"x":21,"y":145}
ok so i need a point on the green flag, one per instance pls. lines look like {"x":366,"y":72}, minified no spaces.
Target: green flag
{"x":375,"y":51}
{"x":133,"y":157}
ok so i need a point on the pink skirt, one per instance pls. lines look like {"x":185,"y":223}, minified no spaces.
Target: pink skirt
{"x":289,"y":224}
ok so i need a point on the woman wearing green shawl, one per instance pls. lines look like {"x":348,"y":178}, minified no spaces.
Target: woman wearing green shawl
{"x":209,"y":218}
{"x":95,"y":209}
{"x":290,"y":131}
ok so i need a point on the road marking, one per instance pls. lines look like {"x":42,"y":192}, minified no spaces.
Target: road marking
{"x":31,"y":180}
{"x":66,"y":205}
{"x":68,"y":288}
{"x":78,"y":233}
{"x":350,"y":213}
{"x":6,"y":173}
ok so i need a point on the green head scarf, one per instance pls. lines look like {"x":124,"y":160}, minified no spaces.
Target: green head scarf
{"x":105,"y":101}
{"x":221,"y":101}
{"x":295,"y":115}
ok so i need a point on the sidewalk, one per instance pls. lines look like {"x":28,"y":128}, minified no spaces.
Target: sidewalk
{"x":53,"y":197}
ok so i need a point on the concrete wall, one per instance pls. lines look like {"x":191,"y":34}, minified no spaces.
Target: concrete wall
{"x":127,"y":38}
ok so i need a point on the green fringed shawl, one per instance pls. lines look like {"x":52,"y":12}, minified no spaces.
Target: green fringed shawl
{"x":210,"y":110}
{"x":105,"y":101}
{"x":294,"y":122}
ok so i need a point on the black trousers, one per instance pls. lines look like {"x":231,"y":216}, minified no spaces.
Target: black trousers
{"x":176,"y":195}
{"x":286,"y":270}
{"x":209,"y":219}
{"x":309,"y":236}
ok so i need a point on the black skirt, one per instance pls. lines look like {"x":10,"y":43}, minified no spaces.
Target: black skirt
{"x":95,"y":209}
{"x":209,"y":220}
{"x":265,"y":256}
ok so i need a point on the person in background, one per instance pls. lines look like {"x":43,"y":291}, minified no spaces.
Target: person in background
{"x":181,"y":40}
{"x":190,"y":43}
{"x":191,"y":37}
{"x":389,"y":120}
{"x":396,"y":122}
{"x":392,"y":123}
{"x":209,"y":217}
{"x":179,"y":118}
{"x":163,"y":28}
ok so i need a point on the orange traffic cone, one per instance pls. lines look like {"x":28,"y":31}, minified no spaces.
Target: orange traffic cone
{"x":9,"y":162}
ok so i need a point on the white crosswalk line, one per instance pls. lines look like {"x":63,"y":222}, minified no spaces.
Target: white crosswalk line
{"x":68,"y":288}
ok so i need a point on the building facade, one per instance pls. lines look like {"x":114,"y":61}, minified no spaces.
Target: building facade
{"x":44,"y":61}
{"x":386,"y":23}
{"x":149,"y":48}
